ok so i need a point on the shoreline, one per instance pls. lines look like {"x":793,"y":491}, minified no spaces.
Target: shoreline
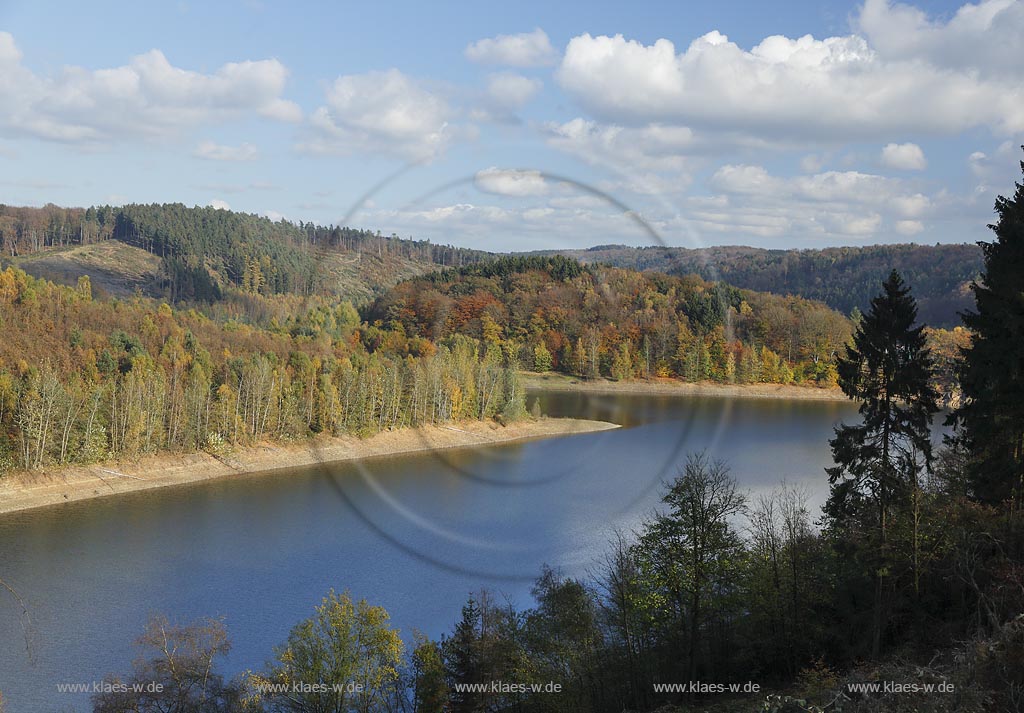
{"x":670,"y":387}
{"x":29,"y":490}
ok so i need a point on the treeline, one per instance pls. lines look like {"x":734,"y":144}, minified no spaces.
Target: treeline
{"x":84,"y":380}
{"x":844,"y":278}
{"x":206,"y":250}
{"x":607,"y":322}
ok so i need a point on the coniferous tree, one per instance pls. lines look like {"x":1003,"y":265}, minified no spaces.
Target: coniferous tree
{"x":991,"y":421}
{"x":462,"y":660}
{"x":879,"y":461}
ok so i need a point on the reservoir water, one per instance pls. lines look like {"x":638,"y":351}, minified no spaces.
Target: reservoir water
{"x":415,"y":534}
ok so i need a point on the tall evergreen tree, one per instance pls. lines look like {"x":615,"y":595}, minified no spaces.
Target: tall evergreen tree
{"x":991,"y":421}
{"x":462,"y":660}
{"x":878,"y":462}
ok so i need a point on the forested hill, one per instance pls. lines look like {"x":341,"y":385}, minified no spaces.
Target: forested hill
{"x":196,"y":254}
{"x":842,"y":278}
{"x":184,"y":254}
{"x":593,"y":321}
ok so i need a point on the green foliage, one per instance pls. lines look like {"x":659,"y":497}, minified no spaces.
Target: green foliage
{"x":879,"y":462}
{"x":991,"y":419}
{"x":541,"y":358}
{"x":346,"y":647}
{"x":690,"y":552}
{"x":430,"y":689}
{"x":888,"y":368}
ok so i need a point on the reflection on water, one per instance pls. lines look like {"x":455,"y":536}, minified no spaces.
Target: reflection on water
{"x":415,"y":533}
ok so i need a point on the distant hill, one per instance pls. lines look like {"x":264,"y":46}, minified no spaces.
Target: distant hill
{"x":842,"y":278}
{"x":197,"y":254}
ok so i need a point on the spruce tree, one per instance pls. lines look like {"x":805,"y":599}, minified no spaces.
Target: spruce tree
{"x":462,"y":660}
{"x":888,"y":369}
{"x":991,"y":421}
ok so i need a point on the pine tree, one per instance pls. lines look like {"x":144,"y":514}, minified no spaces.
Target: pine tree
{"x":888,"y":368}
{"x":991,"y":421}
{"x":462,"y":660}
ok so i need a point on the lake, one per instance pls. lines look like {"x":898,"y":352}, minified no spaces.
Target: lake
{"x":415,"y":534}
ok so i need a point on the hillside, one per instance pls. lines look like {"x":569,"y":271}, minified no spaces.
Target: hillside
{"x":119,"y":269}
{"x":842,"y":278}
{"x":596,"y":321}
{"x":200,"y":254}
{"x":114,"y":268}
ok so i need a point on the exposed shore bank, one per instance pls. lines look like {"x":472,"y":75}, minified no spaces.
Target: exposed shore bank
{"x":41,"y":488}
{"x":671,"y":387}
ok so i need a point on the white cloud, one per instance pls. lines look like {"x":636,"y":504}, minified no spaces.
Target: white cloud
{"x":909,"y":227}
{"x":217,"y":152}
{"x":978,"y":162}
{"x":511,"y":182}
{"x":985,"y":36}
{"x":836,"y":204}
{"x":282,"y":110}
{"x":529,"y":49}
{"x":148,"y":97}
{"x":1000,"y":166}
{"x":511,"y":91}
{"x":219,"y":204}
{"x":904,"y":157}
{"x":380,"y":112}
{"x":804,"y":89}
{"x":850,"y":187}
{"x":654,"y":147}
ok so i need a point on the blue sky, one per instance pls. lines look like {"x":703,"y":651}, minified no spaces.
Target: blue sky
{"x":528,"y":125}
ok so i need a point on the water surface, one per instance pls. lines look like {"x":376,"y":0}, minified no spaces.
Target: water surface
{"x":415,"y":534}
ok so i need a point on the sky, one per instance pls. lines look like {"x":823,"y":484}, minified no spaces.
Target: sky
{"x":528,"y":125}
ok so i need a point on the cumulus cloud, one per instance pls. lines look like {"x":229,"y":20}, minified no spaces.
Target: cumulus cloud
{"x":983,"y":36}
{"x":511,"y":182}
{"x":838,"y":88}
{"x":905,"y":157}
{"x":148,"y":97}
{"x":512,"y":91}
{"x":380,"y":112}
{"x":528,"y":49}
{"x":219,"y":204}
{"x":909,"y":227}
{"x":828,"y":187}
{"x":217,"y":152}
{"x":828,"y":204}
{"x":654,"y":147}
